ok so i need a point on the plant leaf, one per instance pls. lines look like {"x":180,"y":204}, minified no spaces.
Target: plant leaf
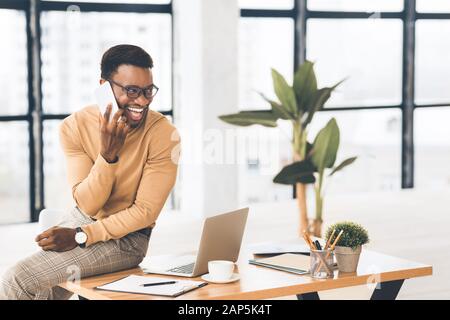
{"x":343,"y":164}
{"x":305,"y":85}
{"x":300,"y":171}
{"x":284,"y":92}
{"x":279,"y":110}
{"x":317,"y":102}
{"x":247,"y":118}
{"x":325,"y":146}
{"x":320,"y":97}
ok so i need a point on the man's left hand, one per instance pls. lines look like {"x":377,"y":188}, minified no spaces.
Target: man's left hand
{"x":57,"y":239}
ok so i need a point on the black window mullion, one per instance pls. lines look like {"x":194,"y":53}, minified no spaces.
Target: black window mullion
{"x":432,"y":16}
{"x":433,"y":105}
{"x":300,"y":33}
{"x":353,"y":15}
{"x":106,"y":7}
{"x":14,"y":4}
{"x":267,"y":13}
{"x":408,"y":94}
{"x":35,"y":110}
{"x":31,"y":104}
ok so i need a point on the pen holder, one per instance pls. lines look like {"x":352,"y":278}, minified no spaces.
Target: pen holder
{"x":322,"y":264}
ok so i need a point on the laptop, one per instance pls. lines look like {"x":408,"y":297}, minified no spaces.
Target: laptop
{"x":221,"y":240}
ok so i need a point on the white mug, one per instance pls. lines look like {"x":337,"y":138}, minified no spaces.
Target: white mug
{"x":220,"y":270}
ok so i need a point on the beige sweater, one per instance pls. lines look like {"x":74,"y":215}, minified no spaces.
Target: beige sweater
{"x":128,"y":195}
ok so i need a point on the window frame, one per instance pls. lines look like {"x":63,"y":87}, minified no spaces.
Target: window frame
{"x":409,"y":16}
{"x":35,"y":116}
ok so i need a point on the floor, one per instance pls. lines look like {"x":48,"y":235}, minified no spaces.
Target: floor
{"x":409,"y":224}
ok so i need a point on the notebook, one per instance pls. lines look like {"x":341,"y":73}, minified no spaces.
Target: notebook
{"x":273,"y":248}
{"x":294,"y":263}
{"x":133,"y":284}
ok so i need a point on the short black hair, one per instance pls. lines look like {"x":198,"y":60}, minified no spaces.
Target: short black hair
{"x":124,"y":54}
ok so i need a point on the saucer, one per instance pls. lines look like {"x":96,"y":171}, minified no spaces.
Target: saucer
{"x":233,"y":278}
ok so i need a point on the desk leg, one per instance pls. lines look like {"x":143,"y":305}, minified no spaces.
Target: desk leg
{"x":308,"y":296}
{"x":388,"y":290}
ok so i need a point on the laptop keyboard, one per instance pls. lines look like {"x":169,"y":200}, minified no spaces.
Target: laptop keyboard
{"x":188,"y":268}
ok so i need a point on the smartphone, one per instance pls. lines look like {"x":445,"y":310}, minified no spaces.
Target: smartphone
{"x":103,"y":96}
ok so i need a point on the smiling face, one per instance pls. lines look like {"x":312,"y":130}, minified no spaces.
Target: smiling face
{"x":136,"y":109}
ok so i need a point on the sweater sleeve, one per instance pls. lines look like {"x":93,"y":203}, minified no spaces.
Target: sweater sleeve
{"x":158,"y":178}
{"x":91,"y":181}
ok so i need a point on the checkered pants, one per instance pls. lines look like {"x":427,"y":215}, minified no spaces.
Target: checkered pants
{"x":37,"y":276}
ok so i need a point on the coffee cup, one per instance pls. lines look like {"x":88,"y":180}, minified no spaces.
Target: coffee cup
{"x":220,"y":270}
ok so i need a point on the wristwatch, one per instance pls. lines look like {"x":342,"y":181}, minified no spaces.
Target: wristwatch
{"x":80,"y":237}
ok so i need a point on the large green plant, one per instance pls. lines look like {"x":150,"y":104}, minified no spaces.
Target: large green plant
{"x":320,"y":158}
{"x":297,"y":103}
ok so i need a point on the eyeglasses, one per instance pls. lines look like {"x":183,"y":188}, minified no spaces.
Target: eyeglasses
{"x":135,"y":92}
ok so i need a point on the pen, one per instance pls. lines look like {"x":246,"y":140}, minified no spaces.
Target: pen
{"x":329,"y":240}
{"x":318,"y":246}
{"x":331,"y":248}
{"x":157,"y":283}
{"x":308,"y":240}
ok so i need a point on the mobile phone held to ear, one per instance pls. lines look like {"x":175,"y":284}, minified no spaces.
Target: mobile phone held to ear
{"x":104,"y":96}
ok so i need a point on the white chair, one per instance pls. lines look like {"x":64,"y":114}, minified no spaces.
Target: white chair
{"x":49,"y":218}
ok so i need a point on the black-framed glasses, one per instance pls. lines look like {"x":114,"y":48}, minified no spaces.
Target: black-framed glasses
{"x":135,"y":92}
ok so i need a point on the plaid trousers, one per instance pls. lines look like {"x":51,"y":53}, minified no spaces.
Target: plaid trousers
{"x":37,"y":276}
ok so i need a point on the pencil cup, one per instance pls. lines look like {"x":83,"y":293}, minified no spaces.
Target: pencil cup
{"x":322,"y":264}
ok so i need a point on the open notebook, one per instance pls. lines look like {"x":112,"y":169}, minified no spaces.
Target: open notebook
{"x":133,"y":284}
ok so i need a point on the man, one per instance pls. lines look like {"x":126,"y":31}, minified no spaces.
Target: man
{"x":121,"y":173}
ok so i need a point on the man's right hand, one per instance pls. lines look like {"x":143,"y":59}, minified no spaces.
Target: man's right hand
{"x":112,"y":134}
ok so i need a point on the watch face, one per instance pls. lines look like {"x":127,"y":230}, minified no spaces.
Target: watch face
{"x":80,"y":237}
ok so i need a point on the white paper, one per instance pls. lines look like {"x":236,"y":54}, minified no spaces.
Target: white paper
{"x":133,"y":284}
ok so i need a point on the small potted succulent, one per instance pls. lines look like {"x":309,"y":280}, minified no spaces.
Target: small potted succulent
{"x":349,"y":245}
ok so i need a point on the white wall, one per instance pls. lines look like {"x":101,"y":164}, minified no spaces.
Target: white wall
{"x":205,"y":86}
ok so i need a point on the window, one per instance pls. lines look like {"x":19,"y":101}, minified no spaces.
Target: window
{"x":13,"y":63}
{"x":262,"y":48}
{"x":261,"y":154}
{"x":14,"y":138}
{"x":367,"y":52}
{"x":264,"y":43}
{"x":374,"y":136}
{"x":57,"y":191}
{"x":432,"y":147}
{"x":14,"y":172}
{"x":369,"y":43}
{"x":75,"y":57}
{"x":266,"y":4}
{"x":432,"y":71}
{"x":119,"y":1}
{"x":356,"y":5}
{"x":67,"y":69}
{"x":433,"y":6}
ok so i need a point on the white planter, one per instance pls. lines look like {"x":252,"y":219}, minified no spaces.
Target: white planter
{"x":347,"y":258}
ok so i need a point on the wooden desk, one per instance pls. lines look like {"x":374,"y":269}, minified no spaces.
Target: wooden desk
{"x":263,"y":283}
